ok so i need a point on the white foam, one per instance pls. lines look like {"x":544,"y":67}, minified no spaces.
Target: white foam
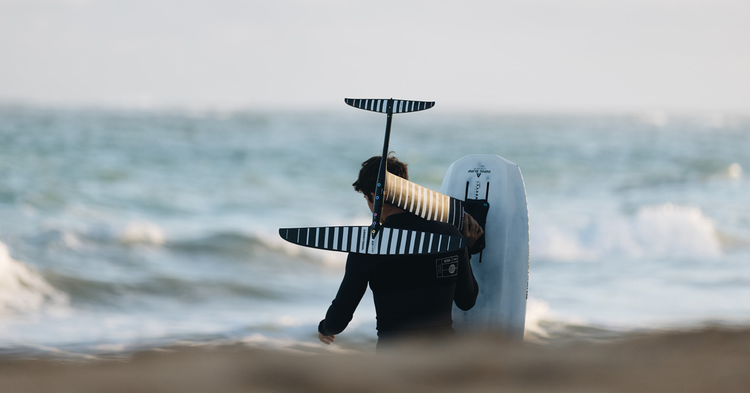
{"x":734,"y":171}
{"x":258,"y":340}
{"x":669,"y":230}
{"x":654,"y":231}
{"x":24,"y":290}
{"x":542,"y":322}
{"x":142,"y":232}
{"x":536,"y":311}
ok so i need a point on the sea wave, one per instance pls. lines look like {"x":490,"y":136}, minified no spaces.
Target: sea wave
{"x":24,"y":290}
{"x":255,"y":247}
{"x":230,"y":244}
{"x":73,"y":236}
{"x":142,"y":232}
{"x":662,"y":231}
{"x":246,"y":245}
{"x":110,"y":266}
{"x":544,"y":325}
{"x":180,"y":289}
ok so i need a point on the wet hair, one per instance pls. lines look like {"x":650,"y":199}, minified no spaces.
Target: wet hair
{"x":368,"y":174}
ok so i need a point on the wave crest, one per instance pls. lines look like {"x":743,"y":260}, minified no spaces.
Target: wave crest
{"x":23,"y":290}
{"x":654,"y":231}
{"x":142,"y":232}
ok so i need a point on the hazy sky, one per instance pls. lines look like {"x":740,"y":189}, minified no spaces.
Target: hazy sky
{"x":503,"y":55}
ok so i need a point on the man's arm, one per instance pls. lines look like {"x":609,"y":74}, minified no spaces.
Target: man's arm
{"x":467,"y":288}
{"x":352,"y":288}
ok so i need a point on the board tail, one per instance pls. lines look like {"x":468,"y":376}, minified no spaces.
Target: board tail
{"x":388,"y":241}
{"x":381,"y":105}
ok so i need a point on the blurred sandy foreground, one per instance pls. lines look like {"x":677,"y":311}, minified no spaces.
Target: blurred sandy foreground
{"x":710,"y":360}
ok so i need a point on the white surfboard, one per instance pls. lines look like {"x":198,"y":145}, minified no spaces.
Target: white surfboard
{"x":502,"y":274}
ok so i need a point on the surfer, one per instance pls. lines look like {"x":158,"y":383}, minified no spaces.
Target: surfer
{"x":413,"y":294}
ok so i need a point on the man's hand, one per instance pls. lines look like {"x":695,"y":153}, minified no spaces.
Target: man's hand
{"x":472,"y":230}
{"x":327,"y":340}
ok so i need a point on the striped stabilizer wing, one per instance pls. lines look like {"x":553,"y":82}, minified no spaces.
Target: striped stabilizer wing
{"x":381,"y":105}
{"x":388,"y":241}
{"x":422,"y":201}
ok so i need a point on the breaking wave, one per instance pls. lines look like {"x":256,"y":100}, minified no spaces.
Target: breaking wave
{"x":661,"y":231}
{"x":23,"y":290}
{"x":142,"y":232}
{"x":544,"y":325}
{"x":215,"y":265}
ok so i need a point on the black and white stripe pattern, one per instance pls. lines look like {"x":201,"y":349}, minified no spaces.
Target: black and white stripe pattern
{"x":422,"y":201}
{"x":388,"y":241}
{"x":381,"y":105}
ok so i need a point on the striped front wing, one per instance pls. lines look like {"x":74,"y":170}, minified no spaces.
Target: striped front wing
{"x":388,"y":241}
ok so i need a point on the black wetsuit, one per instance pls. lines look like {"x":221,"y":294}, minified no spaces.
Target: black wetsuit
{"x":413,"y":294}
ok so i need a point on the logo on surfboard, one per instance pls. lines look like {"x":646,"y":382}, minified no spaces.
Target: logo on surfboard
{"x":480,"y":170}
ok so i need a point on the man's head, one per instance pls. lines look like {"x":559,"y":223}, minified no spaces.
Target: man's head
{"x":368,"y":175}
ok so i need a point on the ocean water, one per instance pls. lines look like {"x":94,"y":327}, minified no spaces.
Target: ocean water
{"x":123,"y":230}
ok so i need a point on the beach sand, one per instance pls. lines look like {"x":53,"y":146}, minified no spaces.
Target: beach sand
{"x":707,"y":360}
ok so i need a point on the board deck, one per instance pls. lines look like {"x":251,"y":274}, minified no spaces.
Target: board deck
{"x":502,"y":274}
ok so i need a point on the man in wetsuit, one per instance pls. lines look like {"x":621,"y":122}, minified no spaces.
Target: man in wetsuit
{"x":413,"y":294}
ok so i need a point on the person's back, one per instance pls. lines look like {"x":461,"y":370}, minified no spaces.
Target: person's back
{"x":413,"y":294}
